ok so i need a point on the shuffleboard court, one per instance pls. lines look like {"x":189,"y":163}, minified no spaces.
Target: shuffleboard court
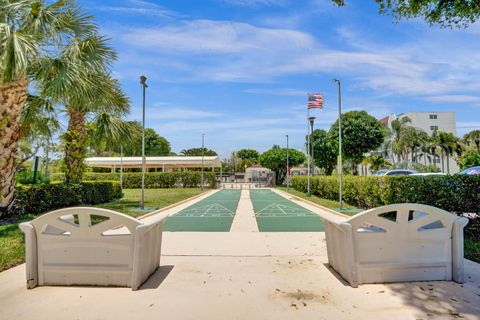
{"x":214,"y":213}
{"x":275,"y":213}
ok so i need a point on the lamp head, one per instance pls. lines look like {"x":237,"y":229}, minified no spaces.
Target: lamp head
{"x":142,"y":81}
{"x":311,"y":120}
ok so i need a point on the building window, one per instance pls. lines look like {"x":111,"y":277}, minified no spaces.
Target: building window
{"x":433,"y":128}
{"x":433,"y":116}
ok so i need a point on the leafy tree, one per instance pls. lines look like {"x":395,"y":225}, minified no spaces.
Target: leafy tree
{"x":377,"y":162}
{"x":155,"y":145}
{"x":248,"y":154}
{"x":30,"y":31}
{"x":446,"y":13}
{"x":361,"y":133}
{"x":472,"y":139}
{"x":325,"y":151}
{"x":470,"y":158}
{"x":197,"y":152}
{"x":275,"y":159}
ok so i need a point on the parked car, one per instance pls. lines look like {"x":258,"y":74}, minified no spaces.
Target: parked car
{"x":428,"y":174}
{"x":396,"y":172}
{"x":471,"y":171}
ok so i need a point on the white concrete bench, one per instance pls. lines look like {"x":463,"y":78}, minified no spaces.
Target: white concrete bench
{"x":395,"y":243}
{"x":91,"y":246}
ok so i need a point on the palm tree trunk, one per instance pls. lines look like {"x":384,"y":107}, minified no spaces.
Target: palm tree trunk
{"x":75,"y":147}
{"x":443,"y":161}
{"x":448,"y":164}
{"x":12,"y":98}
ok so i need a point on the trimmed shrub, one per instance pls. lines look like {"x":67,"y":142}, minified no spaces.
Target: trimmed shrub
{"x":454,"y":193}
{"x":36,"y":199}
{"x":186,"y":179}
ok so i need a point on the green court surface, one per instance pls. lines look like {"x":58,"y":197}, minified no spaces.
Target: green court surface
{"x":275,"y":213}
{"x":214,"y":213}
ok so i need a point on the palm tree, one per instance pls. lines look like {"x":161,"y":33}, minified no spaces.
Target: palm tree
{"x":472,"y":139}
{"x":109,"y":132}
{"x":398,"y":128}
{"x":83,"y":86}
{"x":448,"y":145}
{"x":29,"y":31}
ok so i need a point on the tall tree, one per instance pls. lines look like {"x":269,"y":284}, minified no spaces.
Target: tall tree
{"x":275,"y":159}
{"x":472,"y":139}
{"x":83,"y":87}
{"x":398,"y":128}
{"x":325,"y":151}
{"x":248,"y":154}
{"x":30,"y":30}
{"x":446,"y":13}
{"x":192,"y":152}
{"x":361,"y":133}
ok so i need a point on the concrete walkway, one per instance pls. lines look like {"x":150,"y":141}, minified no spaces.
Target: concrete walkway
{"x":243,"y":275}
{"x":244,"y":220}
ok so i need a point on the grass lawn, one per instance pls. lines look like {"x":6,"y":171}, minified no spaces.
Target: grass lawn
{"x":154,"y":198}
{"x":323,"y":202}
{"x":12,"y":251}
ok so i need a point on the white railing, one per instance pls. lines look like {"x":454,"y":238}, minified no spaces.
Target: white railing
{"x":91,"y":246}
{"x":394,"y":243}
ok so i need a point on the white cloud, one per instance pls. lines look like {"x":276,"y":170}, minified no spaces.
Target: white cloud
{"x":278,"y":91}
{"x":254,"y":3}
{"x":454,"y":99}
{"x":168,"y":112}
{"x":139,"y":7}
{"x":219,"y":37}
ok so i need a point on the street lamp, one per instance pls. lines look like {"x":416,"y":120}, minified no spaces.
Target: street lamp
{"x":311,"y":120}
{"x":203,"y":154}
{"x":340,"y":164}
{"x":143,"y":79}
{"x":288,"y":171}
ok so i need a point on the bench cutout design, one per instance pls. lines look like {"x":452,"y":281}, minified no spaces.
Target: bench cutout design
{"x":91,"y":246}
{"x":395,"y":243}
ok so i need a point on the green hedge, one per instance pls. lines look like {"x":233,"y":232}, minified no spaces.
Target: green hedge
{"x":186,"y":179}
{"x":40,"y":198}
{"x":454,"y":193}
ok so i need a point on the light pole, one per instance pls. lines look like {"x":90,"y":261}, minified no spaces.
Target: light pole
{"x":340,"y":164}
{"x":203,"y":154}
{"x":311,"y":120}
{"x":288,"y":172}
{"x":143,"y":79}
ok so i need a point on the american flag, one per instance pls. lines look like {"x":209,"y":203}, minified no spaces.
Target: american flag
{"x":315,"y":100}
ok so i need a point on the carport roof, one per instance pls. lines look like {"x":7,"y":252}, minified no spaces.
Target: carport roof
{"x":154,"y":162}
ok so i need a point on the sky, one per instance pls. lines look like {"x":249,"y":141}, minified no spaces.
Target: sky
{"x":240,"y":70}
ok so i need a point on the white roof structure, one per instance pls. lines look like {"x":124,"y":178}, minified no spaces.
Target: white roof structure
{"x":154,"y":162}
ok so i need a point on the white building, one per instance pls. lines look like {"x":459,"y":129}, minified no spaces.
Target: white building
{"x":429,"y":122}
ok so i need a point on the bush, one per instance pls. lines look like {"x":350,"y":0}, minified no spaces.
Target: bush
{"x":454,"y":193}
{"x":26,"y":177}
{"x":36,"y":199}
{"x":186,"y":179}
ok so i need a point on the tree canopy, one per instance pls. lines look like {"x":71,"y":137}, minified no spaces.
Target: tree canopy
{"x":324,"y":150}
{"x":361,"y":133}
{"x":197,"y":152}
{"x":275,"y":159}
{"x":446,"y":13}
{"x":248,"y":154}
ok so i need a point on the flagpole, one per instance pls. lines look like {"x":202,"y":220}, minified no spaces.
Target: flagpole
{"x":308,"y":151}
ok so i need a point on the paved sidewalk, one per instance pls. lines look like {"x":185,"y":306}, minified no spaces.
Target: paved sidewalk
{"x":243,"y":275}
{"x":244,"y":220}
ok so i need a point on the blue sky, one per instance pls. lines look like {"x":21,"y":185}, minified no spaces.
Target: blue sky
{"x":239,"y":70}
